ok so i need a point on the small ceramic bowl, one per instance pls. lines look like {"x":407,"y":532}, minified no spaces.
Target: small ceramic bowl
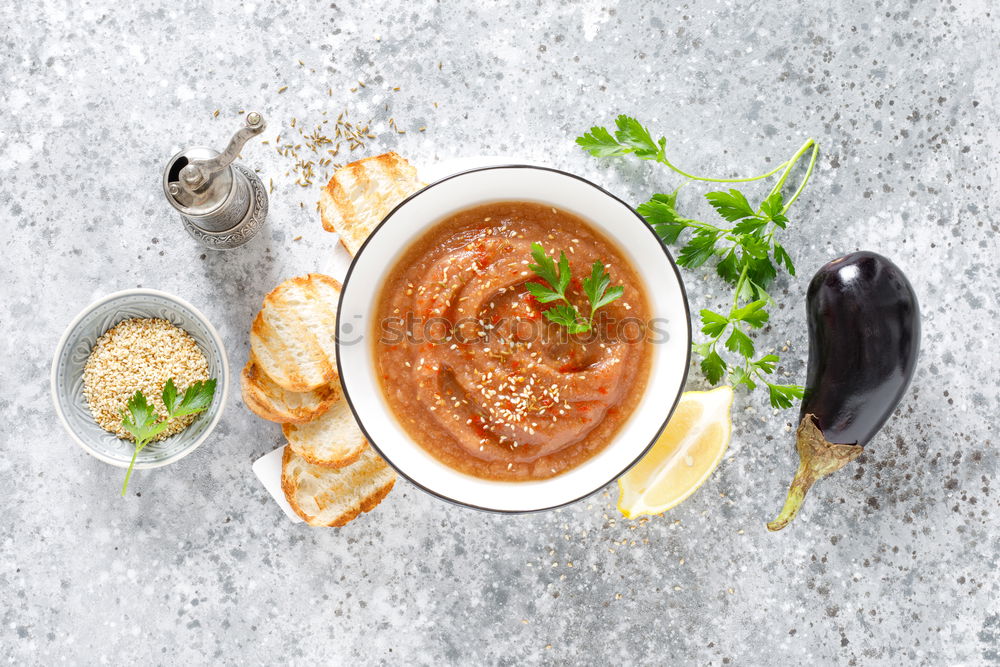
{"x":602,"y":210}
{"x":74,"y":349}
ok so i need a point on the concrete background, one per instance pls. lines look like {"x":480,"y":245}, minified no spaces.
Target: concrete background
{"x":892,"y":561}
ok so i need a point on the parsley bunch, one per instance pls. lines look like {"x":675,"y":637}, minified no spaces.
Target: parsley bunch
{"x":144,"y":424}
{"x":746,"y":253}
{"x":558,"y":277}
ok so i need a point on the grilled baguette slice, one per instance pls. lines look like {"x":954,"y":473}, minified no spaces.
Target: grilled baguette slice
{"x":333,"y":439}
{"x":268,"y":400}
{"x":335,"y":496}
{"x":361,"y":193}
{"x":293,"y":336}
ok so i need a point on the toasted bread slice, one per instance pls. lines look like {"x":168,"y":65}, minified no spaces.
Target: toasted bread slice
{"x":335,"y":496}
{"x":333,"y":439}
{"x":293,"y":337}
{"x":361,"y":193}
{"x":268,"y":400}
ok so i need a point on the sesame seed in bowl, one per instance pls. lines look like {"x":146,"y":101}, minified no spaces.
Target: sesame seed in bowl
{"x":136,"y":340}
{"x":140,"y":354}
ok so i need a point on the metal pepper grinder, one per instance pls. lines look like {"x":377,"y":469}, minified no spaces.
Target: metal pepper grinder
{"x":222,"y":203}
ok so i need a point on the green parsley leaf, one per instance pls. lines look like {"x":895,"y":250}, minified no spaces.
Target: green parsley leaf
{"x":772,"y":209}
{"x":662,"y":216}
{"x":564,"y":273}
{"x":732,"y":205}
{"x":596,"y":288}
{"x":782,"y":395}
{"x":144,"y":424}
{"x":747,"y":290}
{"x":599,"y":143}
{"x":699,"y":249}
{"x":613,"y":293}
{"x":196,"y":399}
{"x":754,"y":246}
{"x":543,"y":293}
{"x":752,"y":313}
{"x":661,"y":208}
{"x":169,"y":395}
{"x":728,"y":268}
{"x":545,"y":267}
{"x":713,"y":324}
{"x":741,"y":376}
{"x":740,"y":342}
{"x":766,"y":363}
{"x":781,"y":257}
{"x":713,"y":366}
{"x":757,"y":292}
{"x":668,"y":233}
{"x":629,"y":137}
{"x":568,"y":316}
{"x":761,"y":272}
{"x":140,"y":419}
{"x":701,"y":349}
{"x":631,"y":133}
{"x":749,"y":226}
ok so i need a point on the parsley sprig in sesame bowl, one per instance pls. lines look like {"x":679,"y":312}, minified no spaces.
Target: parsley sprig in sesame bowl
{"x":139,"y":380}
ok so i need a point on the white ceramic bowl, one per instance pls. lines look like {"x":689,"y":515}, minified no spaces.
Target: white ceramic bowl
{"x":74,"y":348}
{"x":603,"y":211}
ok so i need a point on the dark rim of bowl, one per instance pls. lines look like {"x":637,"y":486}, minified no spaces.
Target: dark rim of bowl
{"x":680,"y":391}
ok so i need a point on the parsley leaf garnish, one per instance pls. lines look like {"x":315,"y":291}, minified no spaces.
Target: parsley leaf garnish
{"x":144,"y":424}
{"x":596,"y":288}
{"x":743,"y":245}
{"x":732,"y":205}
{"x":140,"y":419}
{"x":713,"y":366}
{"x":558,"y":277}
{"x":630,"y":137}
{"x":783,"y":394}
{"x":599,"y":143}
{"x":569,"y":317}
{"x":196,"y":399}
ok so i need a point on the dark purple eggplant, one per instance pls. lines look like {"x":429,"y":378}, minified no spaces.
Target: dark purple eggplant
{"x":864,"y":338}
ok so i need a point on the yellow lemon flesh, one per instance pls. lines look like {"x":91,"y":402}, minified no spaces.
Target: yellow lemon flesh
{"x":684,"y":456}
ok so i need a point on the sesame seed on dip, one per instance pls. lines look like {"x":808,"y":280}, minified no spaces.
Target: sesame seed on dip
{"x":140,"y":354}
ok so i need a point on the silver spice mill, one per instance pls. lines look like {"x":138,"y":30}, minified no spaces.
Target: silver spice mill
{"x":222,"y":203}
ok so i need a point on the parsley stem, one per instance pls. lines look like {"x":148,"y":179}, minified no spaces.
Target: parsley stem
{"x":698,"y":224}
{"x":787,"y":166}
{"x":138,"y":446}
{"x":810,"y":143}
{"x":805,"y":179}
{"x":739,"y":284}
{"x":663,"y":160}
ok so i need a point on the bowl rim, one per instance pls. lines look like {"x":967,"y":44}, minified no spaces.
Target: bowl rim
{"x":668,"y":414}
{"x":64,"y":340}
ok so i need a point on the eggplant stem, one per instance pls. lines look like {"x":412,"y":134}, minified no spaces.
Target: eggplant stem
{"x":817,"y":459}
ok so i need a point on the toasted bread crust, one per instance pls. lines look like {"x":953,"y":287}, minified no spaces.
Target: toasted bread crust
{"x":341,"y":462}
{"x":360,"y":194}
{"x":292,"y":336}
{"x":360,"y":488}
{"x":332,"y":440}
{"x":305,"y":281}
{"x":268,"y":400}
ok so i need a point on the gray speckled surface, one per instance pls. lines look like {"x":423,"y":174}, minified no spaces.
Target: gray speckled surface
{"x":892,"y":561}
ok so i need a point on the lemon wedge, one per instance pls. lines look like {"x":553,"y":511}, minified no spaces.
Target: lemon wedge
{"x":684,"y":456}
